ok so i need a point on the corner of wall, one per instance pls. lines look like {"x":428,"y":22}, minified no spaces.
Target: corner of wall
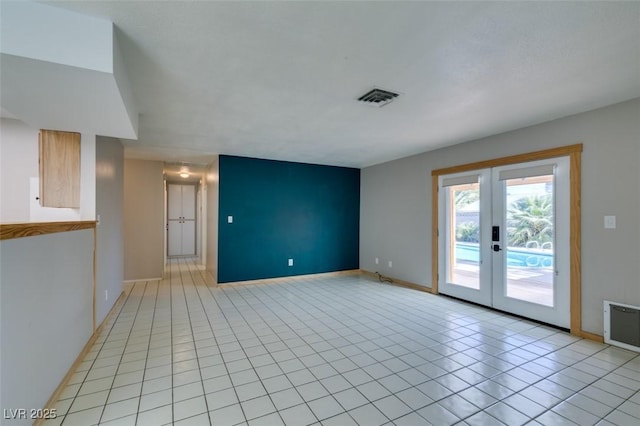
{"x":109,"y":183}
{"x":212,"y":182}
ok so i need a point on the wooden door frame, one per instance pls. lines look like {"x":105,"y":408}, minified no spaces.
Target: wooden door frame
{"x":574,"y":152}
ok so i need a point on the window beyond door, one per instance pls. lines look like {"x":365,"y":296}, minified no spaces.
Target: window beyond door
{"x":463,"y":234}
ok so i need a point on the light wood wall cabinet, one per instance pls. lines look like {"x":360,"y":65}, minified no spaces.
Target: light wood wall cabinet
{"x":59,"y":169}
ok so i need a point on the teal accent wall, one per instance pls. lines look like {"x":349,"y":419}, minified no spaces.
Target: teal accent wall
{"x":283,"y":210}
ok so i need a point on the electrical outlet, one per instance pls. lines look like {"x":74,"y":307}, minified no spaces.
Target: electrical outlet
{"x":390,"y":264}
{"x":290,"y":262}
{"x":229,"y":219}
{"x":106,"y":295}
{"x":610,"y":222}
{"x":377,"y":261}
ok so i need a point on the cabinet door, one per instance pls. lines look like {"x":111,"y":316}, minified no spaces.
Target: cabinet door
{"x":59,"y":169}
{"x":188,"y":238}
{"x":189,"y":201}
{"x":174,"y":198}
{"x":181,"y":220}
{"x":174,"y":238}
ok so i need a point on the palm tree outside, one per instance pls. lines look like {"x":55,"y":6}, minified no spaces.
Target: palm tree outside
{"x":530,"y":219}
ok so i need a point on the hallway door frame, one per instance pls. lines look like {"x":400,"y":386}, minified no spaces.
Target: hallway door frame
{"x":197,"y":232}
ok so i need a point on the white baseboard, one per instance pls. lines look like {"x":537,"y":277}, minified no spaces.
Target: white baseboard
{"x":142,"y":279}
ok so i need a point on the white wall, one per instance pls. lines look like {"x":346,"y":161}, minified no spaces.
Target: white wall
{"x":212,"y":180}
{"x":18,"y":163}
{"x":199,"y":222}
{"x":46,"y":315}
{"x":19,"y":177}
{"x":56,"y":35}
{"x":395,"y":218}
{"x":110,"y":240}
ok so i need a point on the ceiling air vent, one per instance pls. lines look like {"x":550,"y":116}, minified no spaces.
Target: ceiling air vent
{"x":378,"y":97}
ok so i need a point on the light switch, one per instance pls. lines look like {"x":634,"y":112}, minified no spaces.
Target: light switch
{"x":229,"y":219}
{"x":610,"y":222}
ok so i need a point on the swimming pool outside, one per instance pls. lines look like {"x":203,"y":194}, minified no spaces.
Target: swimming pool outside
{"x":528,"y":276}
{"x":516,"y":256}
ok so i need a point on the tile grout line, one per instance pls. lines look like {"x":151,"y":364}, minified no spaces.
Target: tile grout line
{"x":121,"y":356}
{"x":305,"y":402}
{"x":194,"y":344}
{"x":146,"y":360}
{"x":316,"y":352}
{"x":218,"y":345}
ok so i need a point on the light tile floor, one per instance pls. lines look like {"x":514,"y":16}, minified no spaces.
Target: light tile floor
{"x":337,"y":351}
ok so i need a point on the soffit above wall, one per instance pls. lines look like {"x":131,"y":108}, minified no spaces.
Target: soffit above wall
{"x":62,"y":70}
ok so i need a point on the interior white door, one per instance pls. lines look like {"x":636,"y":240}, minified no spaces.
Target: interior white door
{"x":531,"y":264}
{"x":503,"y":236}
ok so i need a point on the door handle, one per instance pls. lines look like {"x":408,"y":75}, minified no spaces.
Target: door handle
{"x":496,"y":247}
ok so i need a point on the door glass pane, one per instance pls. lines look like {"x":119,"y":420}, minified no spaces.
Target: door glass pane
{"x":463,"y":257}
{"x":530,"y":239}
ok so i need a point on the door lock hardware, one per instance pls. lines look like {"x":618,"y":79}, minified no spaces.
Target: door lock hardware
{"x":495,"y":233}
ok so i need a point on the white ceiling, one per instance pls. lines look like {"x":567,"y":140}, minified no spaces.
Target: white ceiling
{"x":197,"y":171}
{"x":279,"y":80}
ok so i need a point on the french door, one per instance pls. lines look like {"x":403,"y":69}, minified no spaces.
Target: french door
{"x":503,"y":236}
